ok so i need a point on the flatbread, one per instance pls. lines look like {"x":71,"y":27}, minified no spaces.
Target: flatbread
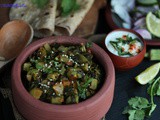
{"x":42,"y":20}
{"x":66,"y":25}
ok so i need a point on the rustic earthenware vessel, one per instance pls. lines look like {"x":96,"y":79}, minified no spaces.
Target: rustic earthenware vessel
{"x":125,"y":63}
{"x":93,"y":108}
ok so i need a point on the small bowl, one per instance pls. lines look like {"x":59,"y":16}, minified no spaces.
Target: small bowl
{"x":125,"y":63}
{"x":93,"y":108}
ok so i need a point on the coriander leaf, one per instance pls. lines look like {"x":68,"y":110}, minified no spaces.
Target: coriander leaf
{"x":68,"y":6}
{"x":39,"y":65}
{"x":40,"y":3}
{"x":143,"y":103}
{"x":131,"y":114}
{"x":76,"y":7}
{"x":138,"y":102}
{"x":82,"y":88}
{"x":81,"y":91}
{"x":87,"y":82}
{"x":133,"y":102}
{"x":139,"y":115}
{"x":89,"y":44}
{"x":126,"y":109}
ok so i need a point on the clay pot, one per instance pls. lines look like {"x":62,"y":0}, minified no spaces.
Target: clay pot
{"x":93,"y":108}
{"x":125,"y":63}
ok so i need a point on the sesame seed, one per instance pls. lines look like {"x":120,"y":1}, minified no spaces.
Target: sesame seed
{"x":45,"y":65}
{"x":82,"y":64}
{"x":48,"y":83}
{"x":45,"y":91}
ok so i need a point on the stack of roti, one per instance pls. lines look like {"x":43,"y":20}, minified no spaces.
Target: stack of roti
{"x":48,"y":21}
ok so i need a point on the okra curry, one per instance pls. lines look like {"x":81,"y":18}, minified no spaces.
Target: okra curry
{"x":62,"y":74}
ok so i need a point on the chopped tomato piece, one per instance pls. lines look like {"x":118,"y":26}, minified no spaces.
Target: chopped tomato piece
{"x":124,"y":37}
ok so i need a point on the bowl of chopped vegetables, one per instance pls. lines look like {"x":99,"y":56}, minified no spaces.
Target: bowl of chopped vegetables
{"x":126,"y":48}
{"x":63,"y":78}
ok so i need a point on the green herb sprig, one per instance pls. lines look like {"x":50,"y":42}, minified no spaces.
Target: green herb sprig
{"x":139,"y":107}
{"x":82,"y":88}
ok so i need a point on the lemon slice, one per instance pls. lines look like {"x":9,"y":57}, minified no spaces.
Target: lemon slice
{"x":148,"y":74}
{"x":153,"y":24}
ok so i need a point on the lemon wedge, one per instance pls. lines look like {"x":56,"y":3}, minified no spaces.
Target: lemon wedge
{"x":153,"y":24}
{"x":148,"y":74}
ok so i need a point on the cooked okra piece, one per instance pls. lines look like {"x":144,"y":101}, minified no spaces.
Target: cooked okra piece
{"x":57,"y":100}
{"x":58,"y":88}
{"x":47,"y":47}
{"x":36,"y":92}
{"x":42,"y":53}
{"x":26,"y":66}
{"x":93,"y":84}
{"x":53,"y":76}
{"x":63,"y":48}
{"x":72,"y":99}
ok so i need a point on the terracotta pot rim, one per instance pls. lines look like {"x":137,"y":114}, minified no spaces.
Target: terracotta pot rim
{"x":16,"y":77}
{"x":133,"y":32}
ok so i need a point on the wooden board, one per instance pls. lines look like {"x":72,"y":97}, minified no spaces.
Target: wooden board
{"x":86,"y":28}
